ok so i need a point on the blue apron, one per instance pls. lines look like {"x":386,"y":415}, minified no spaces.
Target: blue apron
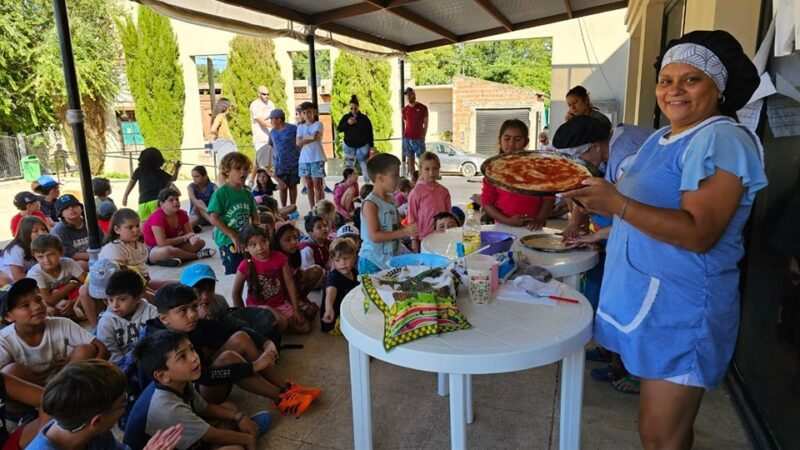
{"x":666,"y":310}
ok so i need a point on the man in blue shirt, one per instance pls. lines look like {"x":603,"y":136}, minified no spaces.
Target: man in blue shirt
{"x":285,"y":155}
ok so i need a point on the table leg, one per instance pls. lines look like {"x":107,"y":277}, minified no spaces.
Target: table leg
{"x":441,"y":384}
{"x":458,"y":411}
{"x":571,"y":400}
{"x":573,"y":281}
{"x":468,"y":388}
{"x":362,"y":402}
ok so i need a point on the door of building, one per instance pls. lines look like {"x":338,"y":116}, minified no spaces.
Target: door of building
{"x":487,"y":126}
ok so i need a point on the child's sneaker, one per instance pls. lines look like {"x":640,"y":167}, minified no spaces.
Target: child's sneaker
{"x":294,"y":403}
{"x":312,"y":391}
{"x":263,"y":419}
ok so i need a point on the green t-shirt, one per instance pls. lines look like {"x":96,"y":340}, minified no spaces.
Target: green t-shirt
{"x":235,"y":208}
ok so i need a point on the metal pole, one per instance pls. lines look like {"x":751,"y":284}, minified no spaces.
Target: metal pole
{"x":402,"y":105}
{"x":212,"y":92}
{"x":312,"y":68}
{"x":75,"y":119}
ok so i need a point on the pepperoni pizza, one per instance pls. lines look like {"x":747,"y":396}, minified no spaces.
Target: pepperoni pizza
{"x":532,"y":172}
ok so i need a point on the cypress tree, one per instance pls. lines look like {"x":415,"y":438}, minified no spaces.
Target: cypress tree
{"x":251,"y":63}
{"x":155,"y":77}
{"x":369,"y":80}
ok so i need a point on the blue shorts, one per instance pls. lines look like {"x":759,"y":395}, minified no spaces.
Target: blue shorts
{"x":313,"y":169}
{"x":230,"y":260}
{"x":413,"y":147}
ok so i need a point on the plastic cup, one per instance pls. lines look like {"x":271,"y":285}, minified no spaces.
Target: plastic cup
{"x":482,"y":275}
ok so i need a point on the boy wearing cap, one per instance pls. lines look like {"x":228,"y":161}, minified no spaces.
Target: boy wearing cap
{"x":72,"y":229}
{"x":35,"y":347}
{"x":58,"y":277}
{"x":49,"y":189}
{"x":28,"y":204}
{"x":228,"y":355}
{"x":126,"y":313}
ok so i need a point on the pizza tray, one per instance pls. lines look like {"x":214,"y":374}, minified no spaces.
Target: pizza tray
{"x":591,"y":171}
{"x":550,"y":243}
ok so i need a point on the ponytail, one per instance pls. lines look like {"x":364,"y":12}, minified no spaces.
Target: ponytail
{"x":354,"y":100}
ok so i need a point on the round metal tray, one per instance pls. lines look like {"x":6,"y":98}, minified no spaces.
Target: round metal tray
{"x":590,"y":171}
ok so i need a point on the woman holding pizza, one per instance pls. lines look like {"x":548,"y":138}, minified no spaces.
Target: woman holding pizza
{"x":670,"y":299}
{"x":510,"y":208}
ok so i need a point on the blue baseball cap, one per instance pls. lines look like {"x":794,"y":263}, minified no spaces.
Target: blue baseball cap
{"x":47,"y":182}
{"x":196,"y":273}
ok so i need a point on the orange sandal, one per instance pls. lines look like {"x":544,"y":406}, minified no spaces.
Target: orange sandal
{"x":300,"y":389}
{"x":294,"y":403}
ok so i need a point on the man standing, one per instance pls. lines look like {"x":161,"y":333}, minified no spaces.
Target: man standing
{"x":415,"y":127}
{"x":259,"y":121}
{"x":286,"y":155}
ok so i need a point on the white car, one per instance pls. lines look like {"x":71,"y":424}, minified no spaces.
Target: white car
{"x":454,"y":160}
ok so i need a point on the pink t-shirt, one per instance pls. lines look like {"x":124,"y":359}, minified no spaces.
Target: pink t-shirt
{"x":425,"y":201}
{"x":400,"y":198}
{"x":159,"y":219}
{"x":510,"y":203}
{"x":269,"y":273}
{"x":338,"y":193}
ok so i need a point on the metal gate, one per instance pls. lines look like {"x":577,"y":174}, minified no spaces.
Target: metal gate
{"x":9,"y":158}
{"x":487,"y":126}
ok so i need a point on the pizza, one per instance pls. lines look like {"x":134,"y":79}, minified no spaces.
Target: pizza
{"x":535,"y":172}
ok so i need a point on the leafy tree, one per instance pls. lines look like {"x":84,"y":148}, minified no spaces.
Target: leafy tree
{"x":251,"y":63}
{"x":520,"y":62}
{"x":369,"y":80}
{"x":32,"y":88}
{"x":301,"y":67}
{"x":155,"y":77}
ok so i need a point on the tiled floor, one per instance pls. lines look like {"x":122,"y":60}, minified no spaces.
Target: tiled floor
{"x":512,"y":411}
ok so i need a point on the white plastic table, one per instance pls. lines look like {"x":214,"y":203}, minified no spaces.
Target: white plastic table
{"x":506,"y":337}
{"x":565,"y":266}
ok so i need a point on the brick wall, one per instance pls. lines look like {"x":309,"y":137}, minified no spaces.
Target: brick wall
{"x":470,"y":94}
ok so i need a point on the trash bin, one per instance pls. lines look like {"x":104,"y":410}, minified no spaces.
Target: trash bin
{"x":31,"y":170}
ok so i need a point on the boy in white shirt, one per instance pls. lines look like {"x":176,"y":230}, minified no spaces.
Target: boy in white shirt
{"x":57,"y":276}
{"x":126,"y":313}
{"x":35,"y":347}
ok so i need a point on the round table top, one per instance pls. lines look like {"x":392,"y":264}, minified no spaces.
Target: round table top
{"x":561,"y":264}
{"x":505,"y":336}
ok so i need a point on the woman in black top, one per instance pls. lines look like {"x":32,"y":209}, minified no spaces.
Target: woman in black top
{"x":358,"y":138}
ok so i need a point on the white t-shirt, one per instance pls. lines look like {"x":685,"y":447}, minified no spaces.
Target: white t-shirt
{"x":119,"y":334}
{"x":310,"y":152}
{"x":260,"y":110}
{"x":15,"y":256}
{"x":61,"y":336}
{"x":69,"y":270}
{"x":133,"y":256}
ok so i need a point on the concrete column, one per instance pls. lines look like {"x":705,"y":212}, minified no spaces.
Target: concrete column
{"x":652,"y":19}
{"x":631,"y":92}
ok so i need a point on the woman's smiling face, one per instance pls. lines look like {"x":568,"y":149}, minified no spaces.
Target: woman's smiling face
{"x":686,"y":95}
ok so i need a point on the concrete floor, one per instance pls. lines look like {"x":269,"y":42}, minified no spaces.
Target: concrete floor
{"x":512,"y":411}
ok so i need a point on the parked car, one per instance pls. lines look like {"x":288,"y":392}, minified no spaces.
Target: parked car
{"x":455,"y":160}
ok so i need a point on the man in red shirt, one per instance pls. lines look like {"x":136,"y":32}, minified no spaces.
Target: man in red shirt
{"x":415,"y":127}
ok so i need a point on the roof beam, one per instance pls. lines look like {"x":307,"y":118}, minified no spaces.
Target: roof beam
{"x":416,"y":19}
{"x":494,"y":12}
{"x":568,"y":6}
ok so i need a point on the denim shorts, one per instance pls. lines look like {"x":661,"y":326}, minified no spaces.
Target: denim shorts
{"x":289,"y":179}
{"x":230,"y":260}
{"x":413,"y":147}
{"x":353,"y":154}
{"x":313,"y":169}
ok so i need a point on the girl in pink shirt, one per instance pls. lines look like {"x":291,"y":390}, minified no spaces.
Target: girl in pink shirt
{"x":427,"y":199}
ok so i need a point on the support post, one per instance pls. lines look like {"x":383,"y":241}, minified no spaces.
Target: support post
{"x":402,"y":104}
{"x":212,"y":91}
{"x":312,"y":69}
{"x":75,"y":120}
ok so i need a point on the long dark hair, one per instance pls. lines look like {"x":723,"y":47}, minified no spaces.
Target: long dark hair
{"x":151,"y":159}
{"x":23,"y":236}
{"x":121,"y":216}
{"x":248,"y":232}
{"x":294,"y":258}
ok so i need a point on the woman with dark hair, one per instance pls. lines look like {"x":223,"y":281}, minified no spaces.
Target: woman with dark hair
{"x":507,"y":207}
{"x":200,"y":190}
{"x":221,"y":138}
{"x":358,"y":137}
{"x":580,"y":104}
{"x":670,"y":299}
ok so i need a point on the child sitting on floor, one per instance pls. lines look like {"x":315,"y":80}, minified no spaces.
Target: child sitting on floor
{"x":327,"y":210}
{"x":35,"y":347}
{"x":49,"y":189}
{"x":380,"y":224}
{"x":401,"y":196}
{"x":287,"y":241}
{"x":28,"y":204}
{"x":345,"y":194}
{"x":72,"y":229}
{"x":102,"y":196}
{"x":341,"y":280}
{"x":269,"y":282}
{"x":314,"y":251}
{"x":126,"y":313}
{"x":85,"y":400}
{"x":16,"y":258}
{"x":444,"y":221}
{"x":171,"y":400}
{"x":228,"y":356}
{"x":59,"y":278}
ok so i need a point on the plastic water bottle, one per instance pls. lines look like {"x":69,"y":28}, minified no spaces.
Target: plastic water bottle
{"x":472,"y":230}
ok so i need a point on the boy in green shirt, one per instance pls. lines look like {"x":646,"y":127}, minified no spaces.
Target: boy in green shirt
{"x":231,"y":208}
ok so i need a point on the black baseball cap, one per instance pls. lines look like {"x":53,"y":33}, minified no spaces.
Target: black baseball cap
{"x":172,"y":296}
{"x":65,"y":201}
{"x":11,"y":293}
{"x":25,"y":198}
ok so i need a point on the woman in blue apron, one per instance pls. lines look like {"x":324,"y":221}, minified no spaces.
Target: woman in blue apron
{"x":669,"y":304}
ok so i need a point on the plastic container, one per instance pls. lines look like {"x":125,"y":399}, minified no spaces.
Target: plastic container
{"x":31,"y":169}
{"x":498,"y":242}
{"x":419,"y":259}
{"x":471,"y":231}
{"x":482,"y":276}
